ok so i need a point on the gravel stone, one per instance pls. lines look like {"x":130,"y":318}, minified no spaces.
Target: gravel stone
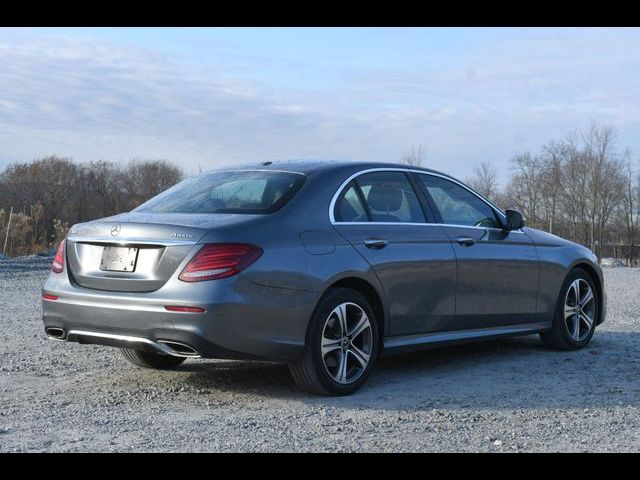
{"x":510,"y":395}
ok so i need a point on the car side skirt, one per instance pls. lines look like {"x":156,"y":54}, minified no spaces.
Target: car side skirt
{"x":407,"y":343}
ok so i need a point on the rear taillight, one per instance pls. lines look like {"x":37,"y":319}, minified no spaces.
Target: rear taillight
{"x":219,"y":260}
{"x":57,"y":266}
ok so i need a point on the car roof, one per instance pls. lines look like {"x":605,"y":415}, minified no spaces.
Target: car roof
{"x":308,"y":167}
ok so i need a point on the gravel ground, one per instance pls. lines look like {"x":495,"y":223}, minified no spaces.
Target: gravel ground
{"x":510,"y":395}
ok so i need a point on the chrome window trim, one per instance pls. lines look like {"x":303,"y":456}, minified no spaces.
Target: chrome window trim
{"x":413,"y":170}
{"x":426,"y":224}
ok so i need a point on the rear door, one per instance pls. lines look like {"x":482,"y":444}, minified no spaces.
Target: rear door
{"x":381,"y":215}
{"x":497,"y":281}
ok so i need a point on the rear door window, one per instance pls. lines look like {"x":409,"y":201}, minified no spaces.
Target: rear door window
{"x":390,"y":198}
{"x":349,"y":207}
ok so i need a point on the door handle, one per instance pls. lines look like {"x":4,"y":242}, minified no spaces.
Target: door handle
{"x":375,"y":243}
{"x":465,"y":241}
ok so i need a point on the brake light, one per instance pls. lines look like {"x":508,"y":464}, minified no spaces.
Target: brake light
{"x":57,"y":266}
{"x":220,"y":260}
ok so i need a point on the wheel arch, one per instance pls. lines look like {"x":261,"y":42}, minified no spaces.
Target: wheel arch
{"x":370,"y":292}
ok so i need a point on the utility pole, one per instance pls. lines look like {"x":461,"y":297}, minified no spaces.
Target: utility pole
{"x":6,"y":237}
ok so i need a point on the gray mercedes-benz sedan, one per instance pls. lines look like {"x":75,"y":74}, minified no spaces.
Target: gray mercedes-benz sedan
{"x":323,"y":265}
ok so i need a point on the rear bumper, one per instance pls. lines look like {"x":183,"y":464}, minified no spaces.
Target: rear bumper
{"x":241,"y":320}
{"x":167,"y":342}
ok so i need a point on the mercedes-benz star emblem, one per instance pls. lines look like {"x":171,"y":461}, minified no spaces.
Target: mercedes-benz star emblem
{"x":115,"y":230}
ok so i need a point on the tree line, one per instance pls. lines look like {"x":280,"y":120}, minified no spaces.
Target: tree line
{"x":581,"y":187}
{"x":50,"y":194}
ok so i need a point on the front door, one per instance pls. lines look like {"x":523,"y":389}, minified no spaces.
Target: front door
{"x":497,"y":281}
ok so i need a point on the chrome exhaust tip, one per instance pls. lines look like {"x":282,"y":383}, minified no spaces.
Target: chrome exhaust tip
{"x":56,"y":333}
{"x":180,"y":349}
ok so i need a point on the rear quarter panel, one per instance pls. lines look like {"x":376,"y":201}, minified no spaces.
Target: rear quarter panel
{"x":303,"y":255}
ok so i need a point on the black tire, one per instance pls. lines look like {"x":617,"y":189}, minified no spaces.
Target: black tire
{"x":310,"y":372}
{"x":559,"y":337}
{"x":151,"y":360}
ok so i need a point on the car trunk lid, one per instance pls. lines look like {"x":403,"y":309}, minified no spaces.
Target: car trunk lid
{"x":135,"y":252}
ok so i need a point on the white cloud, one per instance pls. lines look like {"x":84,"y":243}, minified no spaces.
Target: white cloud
{"x":91,"y":99}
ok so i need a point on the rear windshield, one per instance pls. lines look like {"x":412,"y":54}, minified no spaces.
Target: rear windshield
{"x":228,"y":192}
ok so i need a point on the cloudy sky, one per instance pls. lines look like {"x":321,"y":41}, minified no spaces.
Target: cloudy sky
{"x":208,"y":97}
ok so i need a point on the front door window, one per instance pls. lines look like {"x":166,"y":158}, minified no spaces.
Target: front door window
{"x":457,"y":205}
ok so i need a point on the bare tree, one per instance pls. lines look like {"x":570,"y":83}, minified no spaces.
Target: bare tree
{"x":57,"y":188}
{"x":485,"y":180}
{"x":144,"y":179}
{"x":526,"y":184}
{"x":575,"y":187}
{"x":37,"y":214}
{"x":553,"y":155}
{"x":415,"y":157}
{"x":630,"y":208}
{"x":597,"y":145}
{"x":51,"y":181}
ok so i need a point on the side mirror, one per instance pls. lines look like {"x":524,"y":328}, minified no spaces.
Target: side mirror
{"x":514,"y":221}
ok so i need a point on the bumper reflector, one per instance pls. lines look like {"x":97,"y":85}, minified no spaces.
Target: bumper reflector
{"x":177,"y":308}
{"x":48,"y":296}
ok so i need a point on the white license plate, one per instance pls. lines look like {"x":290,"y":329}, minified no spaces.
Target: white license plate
{"x":119,"y":259}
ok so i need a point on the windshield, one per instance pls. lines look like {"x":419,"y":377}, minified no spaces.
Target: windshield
{"x":242,"y":191}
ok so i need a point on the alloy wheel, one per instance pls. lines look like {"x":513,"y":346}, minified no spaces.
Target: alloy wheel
{"x":347,"y":343}
{"x":579,"y":309}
